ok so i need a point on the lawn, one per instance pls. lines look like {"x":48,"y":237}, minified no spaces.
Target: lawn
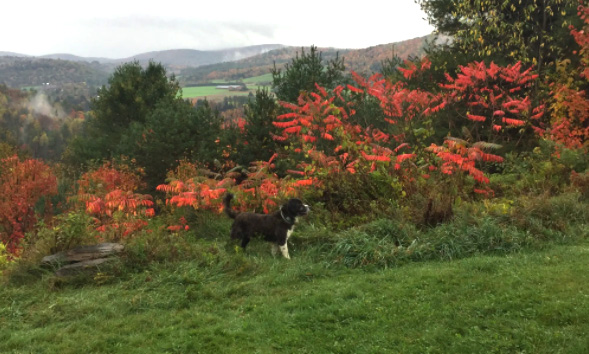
{"x":528,"y":301}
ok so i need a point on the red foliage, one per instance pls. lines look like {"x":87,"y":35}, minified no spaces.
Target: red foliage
{"x":493,"y":92}
{"x":455,"y":156}
{"x":22,"y":185}
{"x":570,"y":118}
{"x":262,"y":188}
{"x":108,"y":194}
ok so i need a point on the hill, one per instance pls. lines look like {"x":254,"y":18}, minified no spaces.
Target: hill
{"x":11,"y":54}
{"x":360,"y":60}
{"x":178,"y":59}
{"x":29,"y":71}
{"x":192,"y":66}
{"x":174,"y":59}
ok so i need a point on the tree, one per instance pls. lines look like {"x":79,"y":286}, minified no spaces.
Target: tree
{"x":133,"y":93}
{"x":257,"y":144}
{"x":531,"y":31}
{"x":173,"y":131}
{"x":304,"y":72}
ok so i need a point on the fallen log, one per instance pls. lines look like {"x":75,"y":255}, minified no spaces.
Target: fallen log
{"x":76,"y":268}
{"x":83,"y":253}
{"x":82,"y":258}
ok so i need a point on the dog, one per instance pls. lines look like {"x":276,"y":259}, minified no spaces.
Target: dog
{"x":275,"y":227}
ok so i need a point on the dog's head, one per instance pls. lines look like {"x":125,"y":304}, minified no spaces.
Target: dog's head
{"x":295,"y":207}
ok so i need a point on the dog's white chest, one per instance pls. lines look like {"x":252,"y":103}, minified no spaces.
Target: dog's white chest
{"x":289,"y":232}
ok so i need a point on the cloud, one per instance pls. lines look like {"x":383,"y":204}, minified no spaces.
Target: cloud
{"x":119,"y":29}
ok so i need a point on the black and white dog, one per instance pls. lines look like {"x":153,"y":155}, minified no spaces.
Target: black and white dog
{"x":275,"y":227}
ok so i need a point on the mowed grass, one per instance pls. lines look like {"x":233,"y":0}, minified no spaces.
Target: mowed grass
{"x":253,"y":83}
{"x":258,"y":80}
{"x":533,"y":302}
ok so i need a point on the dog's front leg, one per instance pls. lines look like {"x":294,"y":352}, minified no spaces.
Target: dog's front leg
{"x":284,"y":250}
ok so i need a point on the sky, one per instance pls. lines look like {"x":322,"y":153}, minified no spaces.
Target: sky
{"x":123,"y":28}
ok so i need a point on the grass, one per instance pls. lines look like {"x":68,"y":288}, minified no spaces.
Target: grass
{"x":491,"y":281}
{"x":534,"y":302}
{"x":253,"y":83}
{"x":257,"y":80}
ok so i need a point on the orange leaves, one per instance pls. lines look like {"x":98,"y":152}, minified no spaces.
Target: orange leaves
{"x":304,"y":182}
{"x":476,"y":118}
{"x":457,"y":156}
{"x":22,"y":185}
{"x":262,"y":188}
{"x":375,"y":157}
{"x":513,"y":122}
{"x":285,"y":124}
{"x":109,"y":194}
{"x":327,"y":136}
{"x":490,"y":92}
{"x":403,"y":157}
{"x":570,"y":107}
{"x":291,"y":130}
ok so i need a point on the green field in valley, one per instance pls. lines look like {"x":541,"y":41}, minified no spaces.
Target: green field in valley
{"x":212,"y":92}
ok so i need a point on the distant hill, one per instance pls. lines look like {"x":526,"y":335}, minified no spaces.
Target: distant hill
{"x":191,"y":66}
{"x":178,"y":59}
{"x":364,"y":61}
{"x":20,"y":72}
{"x":71,"y":57}
{"x":11,"y":54}
{"x":174,"y":59}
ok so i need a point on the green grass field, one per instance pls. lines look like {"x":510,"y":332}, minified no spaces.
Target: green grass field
{"x":258,"y":79}
{"x":487,"y":282}
{"x":211,"y":92}
{"x":227,"y":302}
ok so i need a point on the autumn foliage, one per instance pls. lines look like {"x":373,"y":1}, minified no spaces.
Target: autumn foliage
{"x":369,"y":138}
{"x":108,"y":193}
{"x":23,"y":184}
{"x":570,"y":103}
{"x":260,"y":191}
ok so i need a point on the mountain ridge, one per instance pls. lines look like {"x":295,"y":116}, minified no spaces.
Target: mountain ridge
{"x":190,"y":65}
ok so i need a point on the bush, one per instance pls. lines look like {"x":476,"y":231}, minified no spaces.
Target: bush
{"x":70,"y":230}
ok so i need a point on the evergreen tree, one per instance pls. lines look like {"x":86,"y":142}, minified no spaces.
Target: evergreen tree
{"x":259,"y":114}
{"x":132,"y":94}
{"x":304,"y":72}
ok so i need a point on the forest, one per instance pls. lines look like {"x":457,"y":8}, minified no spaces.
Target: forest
{"x":476,"y":148}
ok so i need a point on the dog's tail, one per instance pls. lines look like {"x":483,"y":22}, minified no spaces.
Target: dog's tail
{"x":227,"y":203}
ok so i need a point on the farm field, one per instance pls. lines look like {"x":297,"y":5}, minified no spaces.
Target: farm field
{"x":211,"y":92}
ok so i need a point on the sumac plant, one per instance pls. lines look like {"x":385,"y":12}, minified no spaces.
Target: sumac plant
{"x":498,"y":106}
{"x":261,"y":190}
{"x":23,"y":184}
{"x":457,"y":155}
{"x":570,"y":106}
{"x":108,"y":193}
{"x":320,"y":128}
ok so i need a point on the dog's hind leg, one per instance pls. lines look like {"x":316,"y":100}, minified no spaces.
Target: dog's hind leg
{"x":244,"y":241}
{"x":274,"y":249}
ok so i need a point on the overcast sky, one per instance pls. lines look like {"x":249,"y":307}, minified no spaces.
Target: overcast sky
{"x":122,"y":28}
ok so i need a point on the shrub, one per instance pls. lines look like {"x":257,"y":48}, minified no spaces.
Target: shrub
{"x":70,"y":229}
{"x":22,"y":185}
